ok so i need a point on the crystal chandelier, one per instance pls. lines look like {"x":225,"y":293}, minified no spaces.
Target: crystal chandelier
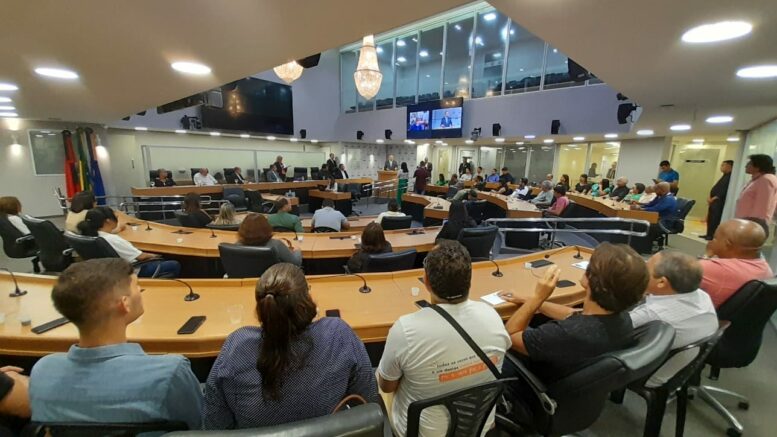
{"x":289,"y":72}
{"x":368,"y":76}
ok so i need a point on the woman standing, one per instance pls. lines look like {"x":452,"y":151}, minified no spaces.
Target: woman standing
{"x":404,"y":174}
{"x":759,"y":197}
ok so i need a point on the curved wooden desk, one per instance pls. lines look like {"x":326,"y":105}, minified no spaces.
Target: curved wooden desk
{"x":182,"y":190}
{"x":370,"y":315}
{"x":611,"y":208}
{"x":434,"y":207}
{"x":514,"y":208}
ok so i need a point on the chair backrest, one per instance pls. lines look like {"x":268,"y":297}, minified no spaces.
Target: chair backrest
{"x":282,"y":229}
{"x":391,"y":262}
{"x":90,"y":247}
{"x":229,"y":175}
{"x":478,"y":241}
{"x":234,"y":227}
{"x":360,"y":421}
{"x":324,"y":229}
{"x":246,"y":261}
{"x":300,"y":172}
{"x":9,"y":233}
{"x":186,"y":220}
{"x":82,"y":429}
{"x":153,"y":174}
{"x":315,"y":173}
{"x":748,"y":310}
{"x":51,"y":243}
{"x":581,"y":395}
{"x":468,"y":408}
{"x":236,"y":196}
{"x":451,"y":192}
{"x":388,"y":223}
{"x":705,"y":347}
{"x":254,"y":201}
{"x":476,"y":209}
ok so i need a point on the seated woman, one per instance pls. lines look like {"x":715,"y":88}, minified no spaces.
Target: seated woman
{"x":602,"y":189}
{"x":583,"y":186}
{"x":79,"y":205}
{"x":458,"y":219}
{"x":294,"y":367}
{"x":227,"y":215}
{"x":392,"y":211}
{"x":636,"y":192}
{"x":101,"y":222}
{"x":441,"y":182}
{"x":191,"y":206}
{"x":564,"y":181}
{"x":373,"y":242}
{"x":256,"y":231}
{"x":454,"y":181}
{"x":10,"y":208}
{"x":561,"y":203}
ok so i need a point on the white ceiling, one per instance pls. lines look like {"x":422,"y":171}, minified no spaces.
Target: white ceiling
{"x":123,"y":49}
{"x":635,"y":47}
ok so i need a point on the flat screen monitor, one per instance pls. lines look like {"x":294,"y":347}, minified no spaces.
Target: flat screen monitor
{"x":435,"y":119}
{"x":252,"y":105}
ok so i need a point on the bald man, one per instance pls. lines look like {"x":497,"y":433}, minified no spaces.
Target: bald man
{"x":735,"y":252}
{"x":621,"y":189}
{"x":665,"y":204}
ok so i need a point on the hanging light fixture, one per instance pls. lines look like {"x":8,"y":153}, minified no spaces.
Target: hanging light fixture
{"x":289,"y":72}
{"x":367,"y":75}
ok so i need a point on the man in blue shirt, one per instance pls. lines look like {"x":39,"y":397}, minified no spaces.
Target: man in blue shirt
{"x":667,"y":174}
{"x":493,"y":177}
{"x":104,"y":378}
{"x":665,"y":204}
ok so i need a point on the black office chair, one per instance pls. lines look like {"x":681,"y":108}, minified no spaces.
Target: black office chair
{"x":324,"y":229}
{"x":300,"y":173}
{"x":186,"y":220}
{"x":257,"y":204}
{"x":215,"y":227}
{"x":237,"y":197}
{"x":194,"y":171}
{"x":18,"y":245}
{"x":366,"y":420}
{"x":229,"y":175}
{"x":657,"y":397}
{"x":96,"y":247}
{"x":676,"y":224}
{"x":390,"y":223}
{"x":153,"y":174}
{"x":246,"y":261}
{"x":468,"y":408}
{"x":315,"y":173}
{"x":748,"y":310}
{"x":52,"y":248}
{"x":84,"y":429}
{"x":476,"y":209}
{"x":478,"y":241}
{"x":451,"y":192}
{"x":574,"y":402}
{"x":391,"y":262}
{"x":282,"y":229}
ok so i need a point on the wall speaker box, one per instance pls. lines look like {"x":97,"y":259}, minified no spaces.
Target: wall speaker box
{"x":554,"y":126}
{"x":303,"y":133}
{"x":496,"y":128}
{"x":359,"y":134}
{"x":310,"y":61}
{"x":576,"y":72}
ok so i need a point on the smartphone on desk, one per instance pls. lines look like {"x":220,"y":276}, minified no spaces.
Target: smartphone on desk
{"x":191,"y":325}
{"x":422,"y":303}
{"x":333,"y":313}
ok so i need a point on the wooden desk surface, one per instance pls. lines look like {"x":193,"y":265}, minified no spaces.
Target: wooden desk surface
{"x":332,"y":195}
{"x":370,"y":315}
{"x":181,"y":190}
{"x":164,"y":239}
{"x":434,"y":207}
{"x":611,"y":208}
{"x":515,"y":208}
{"x":293,"y":201}
{"x":357,"y":223}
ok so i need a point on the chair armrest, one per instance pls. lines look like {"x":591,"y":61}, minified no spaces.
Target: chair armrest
{"x":22,"y":240}
{"x":539,"y":389}
{"x":68,"y":252}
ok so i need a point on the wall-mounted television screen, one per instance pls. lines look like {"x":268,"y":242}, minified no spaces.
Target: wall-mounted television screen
{"x":252,"y":105}
{"x":445,"y":120}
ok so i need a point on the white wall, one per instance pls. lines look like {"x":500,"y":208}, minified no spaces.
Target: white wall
{"x":639,"y":159}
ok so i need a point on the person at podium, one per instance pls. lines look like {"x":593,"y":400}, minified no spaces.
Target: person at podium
{"x":390,"y":164}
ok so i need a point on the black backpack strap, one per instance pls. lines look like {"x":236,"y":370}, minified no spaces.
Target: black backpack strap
{"x":479,"y":352}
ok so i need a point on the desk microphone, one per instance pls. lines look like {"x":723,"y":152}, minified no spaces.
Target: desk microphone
{"x":497,"y":272}
{"x":212,"y":233}
{"x":17,"y":292}
{"x":192,"y":296}
{"x":363,"y":289}
{"x":148,"y":226}
{"x":576,"y":256}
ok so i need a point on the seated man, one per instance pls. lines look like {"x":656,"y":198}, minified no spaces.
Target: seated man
{"x":614,"y":281}
{"x":523,"y":189}
{"x":735,"y":253}
{"x":103,"y":378}
{"x":392,"y":211}
{"x":284,"y":218}
{"x":561,"y":203}
{"x":329,"y":217}
{"x":203,"y":178}
{"x":545,"y":196}
{"x":464,"y":195}
{"x":621,"y":189}
{"x":425,"y":356}
{"x":673,"y":296}
{"x":272,"y":174}
{"x":14,"y":400}
{"x":493,"y":177}
{"x":665,"y":204}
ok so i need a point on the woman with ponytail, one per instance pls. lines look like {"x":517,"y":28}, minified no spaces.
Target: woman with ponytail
{"x":102,"y":222}
{"x":292,"y":367}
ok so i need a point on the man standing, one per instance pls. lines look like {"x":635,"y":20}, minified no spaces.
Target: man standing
{"x":203,"y":178}
{"x":611,"y":171}
{"x":390,"y":164}
{"x":331,"y":164}
{"x":446,"y":121}
{"x":425,"y":357}
{"x":717,"y":199}
{"x":465,"y":164}
{"x":669,"y":175}
{"x":280,"y":168}
{"x":420,"y":178}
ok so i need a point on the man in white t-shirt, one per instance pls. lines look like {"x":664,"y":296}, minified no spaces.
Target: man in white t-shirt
{"x":673,"y":296}
{"x":392,"y":211}
{"x":425,"y":356}
{"x":203,"y":178}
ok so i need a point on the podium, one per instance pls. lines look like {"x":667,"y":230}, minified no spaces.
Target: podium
{"x":387,"y":190}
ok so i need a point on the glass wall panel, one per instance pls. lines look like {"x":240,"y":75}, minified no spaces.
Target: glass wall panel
{"x":540,"y":162}
{"x":385,"y":97}
{"x":430,"y":64}
{"x":348,"y":62}
{"x":459,"y":46}
{"x":490,"y":38}
{"x":556,"y":72}
{"x":603,"y":156}
{"x":405,"y":64}
{"x":489,"y":158}
{"x":515,"y":160}
{"x":524,"y":60}
{"x":571,"y":161}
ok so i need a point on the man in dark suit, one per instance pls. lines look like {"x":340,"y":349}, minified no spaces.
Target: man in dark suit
{"x":446,"y":121}
{"x":465,"y":165}
{"x":163,"y":180}
{"x":331,"y":164}
{"x":341,"y":173}
{"x":237,"y":177}
{"x":717,"y":199}
{"x":390,"y":164}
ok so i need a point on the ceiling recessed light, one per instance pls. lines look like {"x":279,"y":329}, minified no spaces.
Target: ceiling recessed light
{"x":469,"y":141}
{"x":457,"y":27}
{"x":555,"y":50}
{"x":491,"y":16}
{"x":7,"y":108}
{"x":444,"y":144}
{"x":379,"y":141}
{"x":5,"y":99}
{"x":5,"y":86}
{"x":401,"y":43}
{"x":680,"y":127}
{"x":271,"y":138}
{"x":578,"y":139}
{"x":215,"y":134}
{"x":245,"y":136}
{"x":732,"y":139}
{"x":58,"y":73}
{"x":755,"y":72}
{"x":698,"y":140}
{"x":401,"y":59}
{"x":314,"y":141}
{"x":530,"y":137}
{"x":180,"y":131}
{"x":379,"y":49}
{"x":8,"y":114}
{"x":499,"y":140}
{"x":438,"y":142}
{"x":547,"y":140}
{"x":141,"y":128}
{"x":645,"y":132}
{"x":717,"y":31}
{"x":293,"y":139}
{"x":191,"y":68}
{"x":719,"y":119}
{"x":423,"y":53}
{"x":611,"y":135}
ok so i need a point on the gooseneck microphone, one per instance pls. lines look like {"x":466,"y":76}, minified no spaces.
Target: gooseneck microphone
{"x":577,"y":255}
{"x":17,"y":291}
{"x":192,"y":296}
{"x":212,"y":233}
{"x":148,"y":226}
{"x":498,"y":273}
{"x":363,"y":289}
